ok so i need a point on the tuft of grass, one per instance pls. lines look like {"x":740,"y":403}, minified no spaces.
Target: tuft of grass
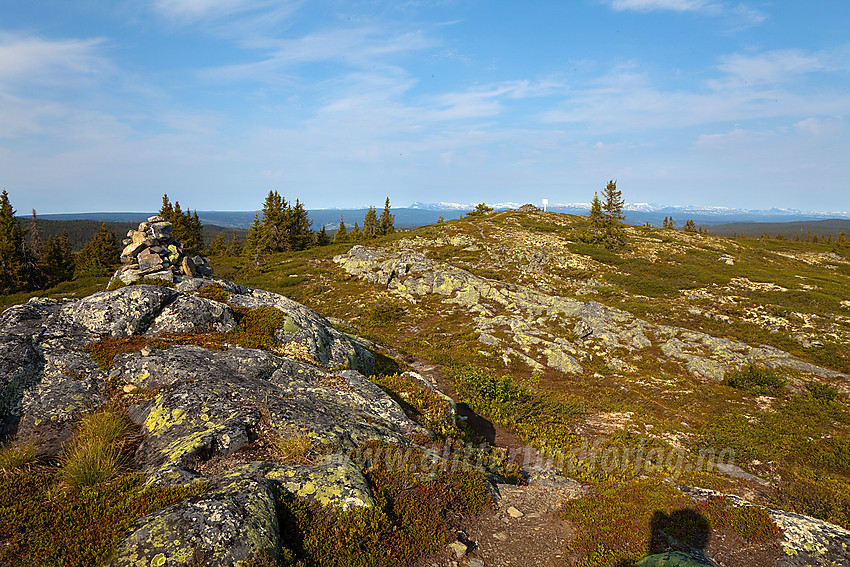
{"x":295,"y":448}
{"x":15,"y":456}
{"x":97,"y":453}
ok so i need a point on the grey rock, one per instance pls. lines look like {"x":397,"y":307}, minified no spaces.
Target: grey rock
{"x":120,"y":313}
{"x":332,"y":349}
{"x":228,"y":527}
{"x":190,"y":314}
{"x":29,"y":319}
{"x":149,"y":261}
{"x":51,"y":408}
{"x":20,"y":368}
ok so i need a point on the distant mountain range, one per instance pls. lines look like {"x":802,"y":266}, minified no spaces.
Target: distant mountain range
{"x":419,"y":214}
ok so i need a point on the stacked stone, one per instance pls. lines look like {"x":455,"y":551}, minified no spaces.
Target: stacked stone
{"x":151,"y":252}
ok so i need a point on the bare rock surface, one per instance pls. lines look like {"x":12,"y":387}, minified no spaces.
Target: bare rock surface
{"x":528,"y":317}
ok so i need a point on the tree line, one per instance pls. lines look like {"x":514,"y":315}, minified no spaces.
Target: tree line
{"x":373,"y":226}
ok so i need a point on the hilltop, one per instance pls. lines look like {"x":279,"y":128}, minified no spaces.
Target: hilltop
{"x":685,"y":394}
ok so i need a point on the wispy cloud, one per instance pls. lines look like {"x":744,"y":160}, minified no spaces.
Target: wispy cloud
{"x":675,"y":5}
{"x":742,"y":14}
{"x":32,"y":59}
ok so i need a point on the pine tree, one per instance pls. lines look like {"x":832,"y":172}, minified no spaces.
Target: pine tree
{"x":11,"y":246}
{"x":355,"y":233}
{"x":370,"y":224}
{"x":440,"y":219}
{"x":341,"y":232}
{"x":386,"y":224}
{"x":100,"y":255}
{"x":690,"y":226}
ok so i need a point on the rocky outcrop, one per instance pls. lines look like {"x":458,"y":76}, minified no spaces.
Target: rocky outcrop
{"x":535,"y":322}
{"x":217,"y":412}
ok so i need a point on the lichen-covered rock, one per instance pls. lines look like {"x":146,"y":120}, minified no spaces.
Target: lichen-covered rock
{"x":213,"y":410}
{"x":51,"y":409}
{"x":20,"y":368}
{"x":29,"y":319}
{"x":531,"y":319}
{"x":225,"y":527}
{"x":191,"y":314}
{"x":331,"y":348}
{"x":332,"y":479}
{"x":186,"y":363}
{"x":120,"y":313}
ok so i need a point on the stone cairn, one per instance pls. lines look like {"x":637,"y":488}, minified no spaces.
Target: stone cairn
{"x":151,"y":252}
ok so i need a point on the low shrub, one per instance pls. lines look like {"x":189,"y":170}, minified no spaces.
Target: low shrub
{"x":383,"y":312}
{"x":214,"y":292}
{"x":79,"y":529}
{"x":411,"y":517}
{"x":756,"y":380}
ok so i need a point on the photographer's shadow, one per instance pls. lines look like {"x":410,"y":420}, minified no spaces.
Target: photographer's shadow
{"x":678,"y":539}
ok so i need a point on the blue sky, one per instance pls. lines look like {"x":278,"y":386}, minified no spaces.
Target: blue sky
{"x":105,"y":106}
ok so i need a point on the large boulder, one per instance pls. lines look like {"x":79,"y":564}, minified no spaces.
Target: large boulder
{"x":229,"y":526}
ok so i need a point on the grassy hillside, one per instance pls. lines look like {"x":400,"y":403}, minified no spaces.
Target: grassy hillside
{"x":788,"y":428}
{"x":779,"y":412}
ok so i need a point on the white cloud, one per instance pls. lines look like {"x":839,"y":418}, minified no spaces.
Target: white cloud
{"x":32,"y":59}
{"x":676,"y":5}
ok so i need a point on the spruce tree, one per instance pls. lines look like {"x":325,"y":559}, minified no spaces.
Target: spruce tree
{"x":299,"y":228}
{"x":253,"y":248}
{"x":322,"y":238}
{"x":235,"y":247}
{"x":386,"y":224}
{"x":11,"y":247}
{"x":219,"y":245}
{"x":597,"y":220}
{"x":341,"y":232}
{"x":370,"y":224}
{"x":58,"y":259}
{"x":275,"y":226}
{"x":100,"y":255}
{"x":612,"y":208}
{"x":355,"y":233}
{"x":440,"y":219}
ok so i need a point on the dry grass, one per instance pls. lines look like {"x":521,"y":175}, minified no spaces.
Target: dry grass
{"x":98,"y":451}
{"x":15,"y":456}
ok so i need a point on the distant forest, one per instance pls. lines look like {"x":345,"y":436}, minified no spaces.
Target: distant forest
{"x":81,"y":231}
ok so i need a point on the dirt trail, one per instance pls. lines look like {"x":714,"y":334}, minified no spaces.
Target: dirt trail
{"x":524,"y":528}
